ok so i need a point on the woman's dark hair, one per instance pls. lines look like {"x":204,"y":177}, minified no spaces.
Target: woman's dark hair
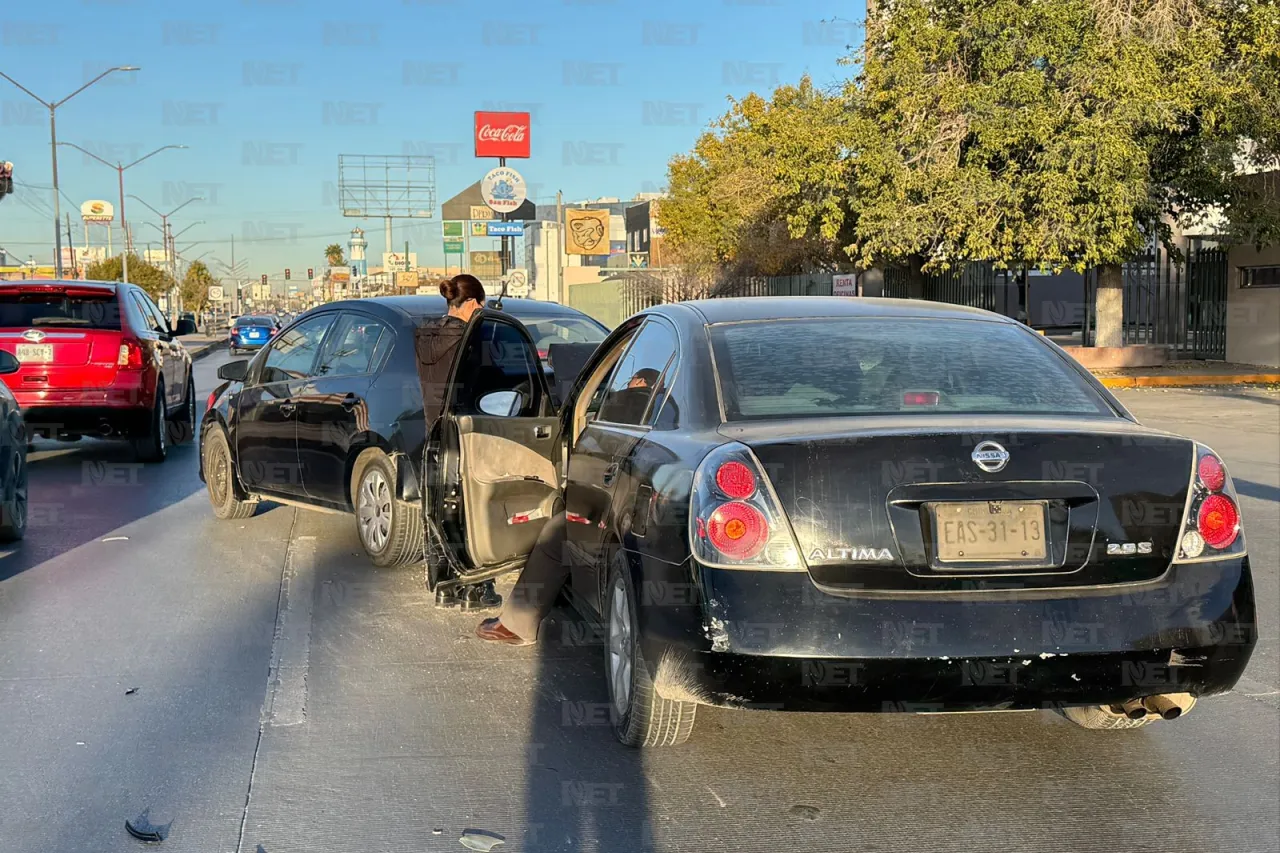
{"x":457,"y":290}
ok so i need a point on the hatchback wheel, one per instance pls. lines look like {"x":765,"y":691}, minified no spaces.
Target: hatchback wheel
{"x":640,"y":716}
{"x":391,"y":531}
{"x":153,"y":445}
{"x":219,"y":474}
{"x":13,"y":512}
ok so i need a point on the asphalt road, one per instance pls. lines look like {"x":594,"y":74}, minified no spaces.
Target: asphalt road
{"x":289,"y":697}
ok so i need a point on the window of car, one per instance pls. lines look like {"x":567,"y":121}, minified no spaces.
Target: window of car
{"x":497,"y":358}
{"x":241,"y":322}
{"x":150,"y":313}
{"x":356,"y":346}
{"x":32,"y":309}
{"x":292,"y":353}
{"x":638,"y":375}
{"x":563,"y":330}
{"x":884,"y":365}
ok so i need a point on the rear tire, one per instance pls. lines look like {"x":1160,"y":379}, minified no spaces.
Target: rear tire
{"x":182,"y":427}
{"x":640,"y":716}
{"x":1100,"y":718}
{"x":390,"y":530}
{"x":219,"y":478}
{"x":13,"y":512}
{"x":153,"y":446}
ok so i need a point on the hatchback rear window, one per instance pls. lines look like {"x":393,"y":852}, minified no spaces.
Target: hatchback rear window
{"x":241,"y":322}
{"x":27,"y":310}
{"x":874,"y":366}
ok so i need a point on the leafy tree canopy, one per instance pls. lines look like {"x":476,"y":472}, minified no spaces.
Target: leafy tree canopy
{"x":333,"y":255}
{"x":154,"y":280}
{"x":195,"y":286}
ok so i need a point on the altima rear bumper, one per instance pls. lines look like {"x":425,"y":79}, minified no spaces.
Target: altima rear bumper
{"x":775,"y":641}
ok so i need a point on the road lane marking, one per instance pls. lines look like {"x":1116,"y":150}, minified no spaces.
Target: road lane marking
{"x":286,"y":703}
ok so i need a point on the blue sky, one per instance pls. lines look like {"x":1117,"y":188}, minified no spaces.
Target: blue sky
{"x":268,"y":93}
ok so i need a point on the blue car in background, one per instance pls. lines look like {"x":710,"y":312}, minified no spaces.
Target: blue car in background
{"x":252,"y":332}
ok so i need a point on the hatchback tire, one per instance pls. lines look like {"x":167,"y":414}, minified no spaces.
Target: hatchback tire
{"x":219,"y":478}
{"x":182,"y":426}
{"x":390,"y":530}
{"x":153,"y":445}
{"x":13,"y":510}
{"x":640,"y":716}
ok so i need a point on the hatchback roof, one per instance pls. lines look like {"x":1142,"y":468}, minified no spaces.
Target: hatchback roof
{"x":803,"y":307}
{"x":62,"y":282}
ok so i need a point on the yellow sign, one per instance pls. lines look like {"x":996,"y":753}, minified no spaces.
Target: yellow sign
{"x":586,"y":232}
{"x":407,"y":280}
{"x":486,"y":264}
{"x":481,"y":212}
{"x":479,"y":229}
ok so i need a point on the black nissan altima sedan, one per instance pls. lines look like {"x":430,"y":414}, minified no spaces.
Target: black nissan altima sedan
{"x":828,"y":504}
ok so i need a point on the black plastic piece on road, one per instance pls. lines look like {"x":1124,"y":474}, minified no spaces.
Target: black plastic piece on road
{"x":131,"y":691}
{"x":142,"y":829}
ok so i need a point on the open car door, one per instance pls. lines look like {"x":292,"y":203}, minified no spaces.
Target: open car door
{"x":494,"y":478}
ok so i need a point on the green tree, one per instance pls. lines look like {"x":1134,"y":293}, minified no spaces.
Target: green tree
{"x":762,"y":191}
{"x":333,"y":255}
{"x":195,"y":286}
{"x":151,"y":278}
{"x":1060,"y":133}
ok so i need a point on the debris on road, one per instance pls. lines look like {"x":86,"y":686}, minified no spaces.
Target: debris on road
{"x":116,"y":539}
{"x":142,"y":829}
{"x":478,"y":839}
{"x":131,"y":691}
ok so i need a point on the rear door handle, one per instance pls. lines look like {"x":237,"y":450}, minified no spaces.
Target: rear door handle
{"x":287,"y":408}
{"x":542,"y":432}
{"x":610,"y":473}
{"x":350,"y":401}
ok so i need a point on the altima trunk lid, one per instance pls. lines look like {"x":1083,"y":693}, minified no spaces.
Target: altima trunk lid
{"x":908,"y":503}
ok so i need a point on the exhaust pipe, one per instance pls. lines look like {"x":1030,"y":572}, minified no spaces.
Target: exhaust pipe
{"x":1169,"y":706}
{"x":1134,"y":709}
{"x":104,"y":428}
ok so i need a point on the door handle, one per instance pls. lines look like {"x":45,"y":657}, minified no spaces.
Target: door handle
{"x":287,"y":408}
{"x":610,"y":473}
{"x":350,"y":401}
{"x":542,"y":432}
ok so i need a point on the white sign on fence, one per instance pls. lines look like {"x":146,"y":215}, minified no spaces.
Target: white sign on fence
{"x":845,"y":285}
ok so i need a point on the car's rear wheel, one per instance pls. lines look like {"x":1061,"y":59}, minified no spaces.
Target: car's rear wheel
{"x":219,"y":474}
{"x":153,"y":445}
{"x":13,"y":511}
{"x":640,"y":716}
{"x":390,"y":530}
{"x":182,"y":426}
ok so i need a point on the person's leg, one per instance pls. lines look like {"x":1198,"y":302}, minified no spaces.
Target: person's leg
{"x":539,"y":584}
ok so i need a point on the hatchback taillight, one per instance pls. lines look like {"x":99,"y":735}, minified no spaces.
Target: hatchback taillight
{"x":130,"y":355}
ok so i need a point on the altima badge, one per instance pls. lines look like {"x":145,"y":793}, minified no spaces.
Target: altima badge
{"x":990,"y":457}
{"x":862,"y":555}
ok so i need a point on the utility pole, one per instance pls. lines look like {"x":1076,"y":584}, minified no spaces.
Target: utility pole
{"x":562,"y":295}
{"x":72,"y":246}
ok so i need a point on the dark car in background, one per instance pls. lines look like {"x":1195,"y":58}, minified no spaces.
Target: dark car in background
{"x":329,"y":415}
{"x":98,"y":359}
{"x":252,"y":332}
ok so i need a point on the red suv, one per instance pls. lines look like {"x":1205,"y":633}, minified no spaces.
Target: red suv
{"x":99,"y":359}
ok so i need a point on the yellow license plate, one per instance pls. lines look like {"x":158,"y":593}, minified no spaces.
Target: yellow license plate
{"x":990,"y":532}
{"x":34,"y":353}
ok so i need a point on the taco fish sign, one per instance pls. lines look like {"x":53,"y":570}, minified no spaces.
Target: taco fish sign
{"x":504,"y":190}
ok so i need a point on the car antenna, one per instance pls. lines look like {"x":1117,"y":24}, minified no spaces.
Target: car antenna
{"x":497,"y":306}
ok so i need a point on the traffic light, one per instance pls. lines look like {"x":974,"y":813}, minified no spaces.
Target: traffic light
{"x":6,"y":178}
{"x":311,"y":272}
{"x":286,"y":273}
{"x":264,"y":279}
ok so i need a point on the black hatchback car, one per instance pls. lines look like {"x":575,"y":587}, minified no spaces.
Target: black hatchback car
{"x":329,"y":415}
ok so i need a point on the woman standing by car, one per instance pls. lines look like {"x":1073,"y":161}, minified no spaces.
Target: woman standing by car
{"x":436,"y":341}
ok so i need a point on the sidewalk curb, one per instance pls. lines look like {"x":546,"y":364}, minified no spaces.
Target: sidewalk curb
{"x":1189,"y":381}
{"x":207,"y":349}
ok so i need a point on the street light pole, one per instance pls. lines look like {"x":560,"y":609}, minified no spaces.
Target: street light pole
{"x":120,"y":170}
{"x":164,"y":221}
{"x":52,"y":106}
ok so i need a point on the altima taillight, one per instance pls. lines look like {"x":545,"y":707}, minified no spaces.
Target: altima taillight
{"x":735,"y":520}
{"x":130,"y":356}
{"x":1211,"y":524}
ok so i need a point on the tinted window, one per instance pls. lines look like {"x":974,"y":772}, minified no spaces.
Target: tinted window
{"x":30,"y":310}
{"x":292,"y":353}
{"x":150,"y":314}
{"x":254,"y":321}
{"x":497,"y":358}
{"x":815,"y":368}
{"x":350,"y":350}
{"x":563,"y":330}
{"x":637,"y":375}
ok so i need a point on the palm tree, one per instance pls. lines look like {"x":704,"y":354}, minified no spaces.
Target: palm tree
{"x":333,"y":254}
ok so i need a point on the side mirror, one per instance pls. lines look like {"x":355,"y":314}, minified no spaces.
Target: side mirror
{"x":9,"y":362}
{"x":234,"y":371}
{"x":186,"y":326}
{"x":504,"y":404}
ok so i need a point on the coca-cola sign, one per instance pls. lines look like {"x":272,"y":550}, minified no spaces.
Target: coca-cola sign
{"x":502,"y":134}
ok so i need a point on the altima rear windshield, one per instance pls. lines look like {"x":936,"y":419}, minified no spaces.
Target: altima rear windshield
{"x":82,"y":311}
{"x":878,"y":365}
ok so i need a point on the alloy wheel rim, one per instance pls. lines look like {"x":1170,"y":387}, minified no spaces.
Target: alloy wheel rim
{"x":373,"y":510}
{"x":620,"y":647}
{"x":19,"y":491}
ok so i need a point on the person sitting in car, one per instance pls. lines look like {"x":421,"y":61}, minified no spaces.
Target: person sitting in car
{"x":546,"y":571}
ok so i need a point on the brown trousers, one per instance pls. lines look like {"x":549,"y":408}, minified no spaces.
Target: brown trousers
{"x":540,"y":581}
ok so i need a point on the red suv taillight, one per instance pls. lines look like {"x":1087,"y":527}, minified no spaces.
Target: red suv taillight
{"x":1211,"y":525}
{"x":130,"y":357}
{"x":735,"y":521}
